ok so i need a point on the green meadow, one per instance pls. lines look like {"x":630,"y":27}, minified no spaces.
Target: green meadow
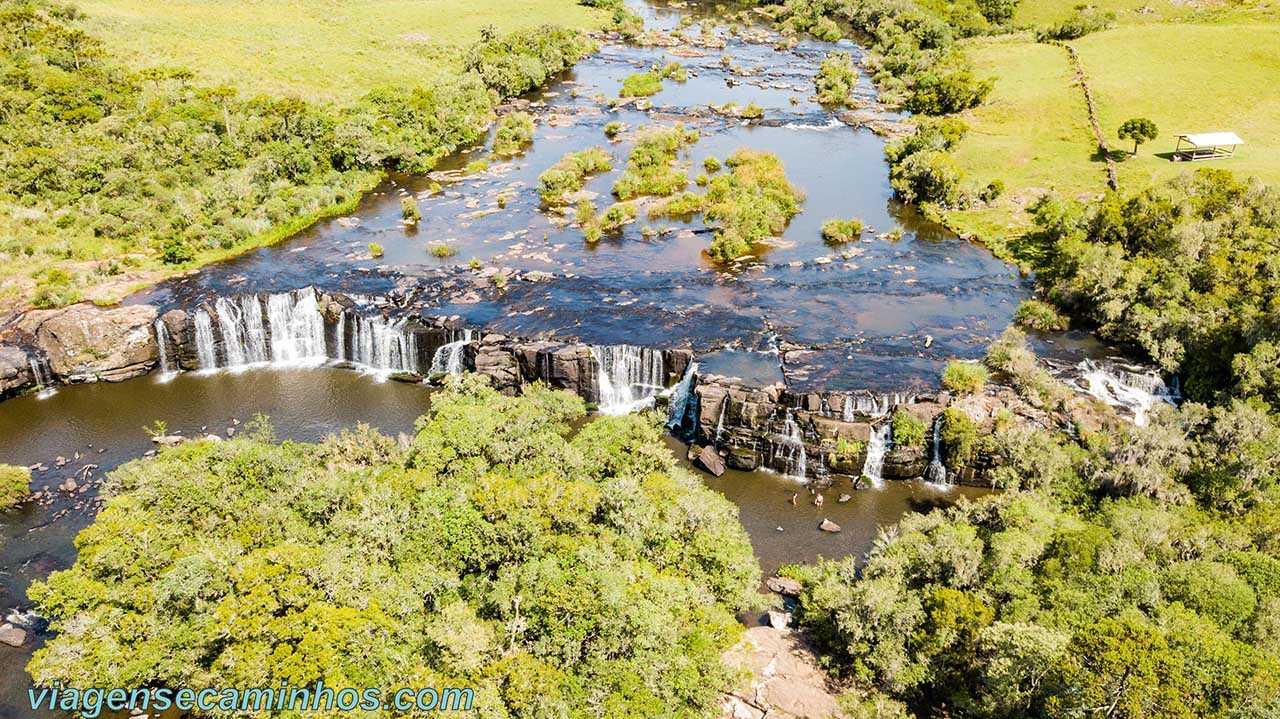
{"x":313,"y":48}
{"x":1188,"y":70}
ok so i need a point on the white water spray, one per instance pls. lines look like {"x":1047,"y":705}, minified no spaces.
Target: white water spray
{"x":877,"y":448}
{"x":629,"y":377}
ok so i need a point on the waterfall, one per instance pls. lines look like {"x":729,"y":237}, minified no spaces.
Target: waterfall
{"x":384,"y":344}
{"x":856,"y":404}
{"x":289,"y":329}
{"x":629,"y":377}
{"x":724,"y":404}
{"x":936,"y":472}
{"x":877,"y":448}
{"x":41,"y":376}
{"x":297,"y":328}
{"x":795,"y":459}
{"x":1132,"y":388}
{"x":448,"y":359}
{"x":206,"y":347}
{"x":167,"y":368}
{"x":680,"y":398}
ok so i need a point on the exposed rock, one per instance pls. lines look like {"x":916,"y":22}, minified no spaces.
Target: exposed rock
{"x":844,"y":498}
{"x":709,"y":459}
{"x":785,"y":681}
{"x":785,"y":586}
{"x":85,"y":343}
{"x":11,"y":635}
{"x":829,"y":526}
{"x":743,"y":458}
{"x":15,"y":370}
{"x":779,"y":620}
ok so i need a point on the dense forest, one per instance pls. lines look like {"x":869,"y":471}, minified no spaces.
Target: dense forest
{"x":556,"y":573}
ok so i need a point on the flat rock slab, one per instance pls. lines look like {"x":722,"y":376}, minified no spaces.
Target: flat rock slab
{"x":710,"y":460}
{"x":785,"y":679}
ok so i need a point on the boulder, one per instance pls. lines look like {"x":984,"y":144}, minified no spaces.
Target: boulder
{"x":709,"y":459}
{"x":15,"y":370}
{"x":85,"y":343}
{"x":829,"y":526}
{"x":11,"y":635}
{"x":785,"y":586}
{"x":743,"y":458}
{"x":779,"y":620}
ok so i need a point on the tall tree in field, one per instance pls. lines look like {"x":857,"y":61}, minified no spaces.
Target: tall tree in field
{"x":1140,"y":130}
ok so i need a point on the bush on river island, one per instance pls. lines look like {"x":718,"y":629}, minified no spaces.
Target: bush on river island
{"x":652,"y":168}
{"x":15,"y":485}
{"x":570,"y":173}
{"x":549,"y":569}
{"x":754,"y":201}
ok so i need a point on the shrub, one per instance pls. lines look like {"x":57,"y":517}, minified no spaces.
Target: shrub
{"x":1083,"y":20}
{"x":56,"y":289}
{"x":585,"y":213}
{"x":930,"y":176}
{"x":711,"y":165}
{"x":838,"y":232}
{"x":958,"y":436}
{"x":946,"y":90}
{"x":992,"y":191}
{"x":409,"y":209}
{"x":570,"y":173}
{"x":675,"y":71}
{"x":613,"y":128}
{"x":514,"y":133}
{"x":651,"y":167}
{"x":836,"y":79}
{"x":753,"y":202}
{"x":520,"y":61}
{"x":442,"y":250}
{"x":1041,"y":316}
{"x":176,"y":251}
{"x":15,"y":485}
{"x":678,"y":205}
{"x":1211,"y":589}
{"x":475,"y":166}
{"x":964,"y":377}
{"x":617,"y":215}
{"x":907,"y":430}
{"x":641,"y":84}
{"x":375,"y":250}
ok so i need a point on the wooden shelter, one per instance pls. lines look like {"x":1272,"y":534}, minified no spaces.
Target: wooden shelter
{"x":1207,"y":146}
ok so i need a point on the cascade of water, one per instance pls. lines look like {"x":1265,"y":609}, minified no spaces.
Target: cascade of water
{"x":449,"y":358}
{"x":680,"y":397}
{"x":724,"y":404}
{"x":40,"y":375}
{"x":855,"y":405}
{"x":383,"y":344}
{"x":1131,"y":388}
{"x":297,"y":328}
{"x":629,"y":377}
{"x":795,"y":458}
{"x":162,"y":342}
{"x":341,"y":335}
{"x":206,"y":344}
{"x":936,"y":472}
{"x":877,"y":448}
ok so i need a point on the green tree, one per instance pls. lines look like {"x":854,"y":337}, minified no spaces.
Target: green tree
{"x":15,"y":485}
{"x":1140,"y":130}
{"x":1120,"y":669}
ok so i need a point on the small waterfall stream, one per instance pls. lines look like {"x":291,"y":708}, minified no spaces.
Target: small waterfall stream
{"x":1132,"y":388}
{"x":167,"y":366}
{"x":680,"y":397}
{"x":629,"y":377}
{"x":787,"y":450}
{"x":936,"y":472}
{"x":41,"y":375}
{"x":877,"y":448}
{"x":449,"y":357}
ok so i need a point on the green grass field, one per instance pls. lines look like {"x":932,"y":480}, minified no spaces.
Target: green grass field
{"x":317,"y":49}
{"x":1188,"y":76}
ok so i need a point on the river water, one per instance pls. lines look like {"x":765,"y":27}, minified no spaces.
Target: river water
{"x":885,"y":319}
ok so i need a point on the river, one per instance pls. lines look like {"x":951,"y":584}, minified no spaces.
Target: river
{"x":885,"y":319}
